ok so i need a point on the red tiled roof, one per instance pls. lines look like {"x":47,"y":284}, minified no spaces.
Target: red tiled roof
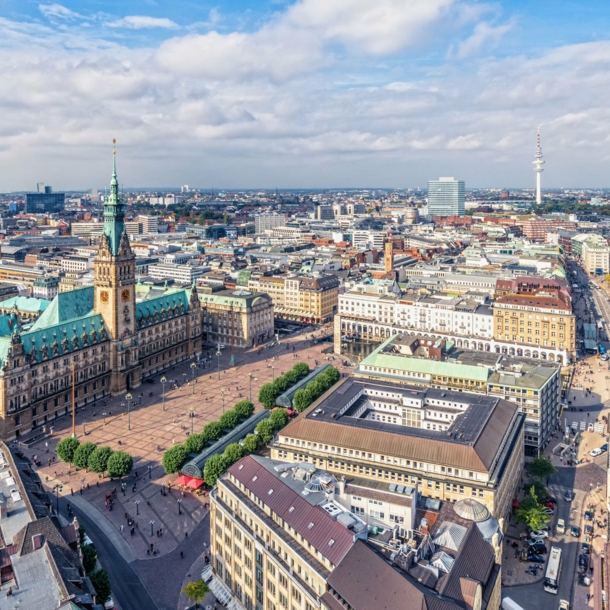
{"x":260,"y":481}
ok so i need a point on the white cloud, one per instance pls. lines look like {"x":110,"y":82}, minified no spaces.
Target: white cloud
{"x":484,"y":35}
{"x":57,"y":11}
{"x":140,"y":22}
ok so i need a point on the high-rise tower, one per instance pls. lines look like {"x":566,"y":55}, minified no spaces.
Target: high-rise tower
{"x":114,"y":271}
{"x":538,"y":163}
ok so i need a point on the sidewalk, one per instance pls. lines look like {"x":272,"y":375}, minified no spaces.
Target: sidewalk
{"x":193,"y":575}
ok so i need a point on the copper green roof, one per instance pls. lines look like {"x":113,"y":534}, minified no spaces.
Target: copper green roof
{"x":29,"y":304}
{"x":66,"y":306}
{"x":172,"y":303}
{"x":114,"y":213}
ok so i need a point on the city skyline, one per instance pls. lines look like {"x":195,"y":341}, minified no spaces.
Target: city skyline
{"x":304,"y":95}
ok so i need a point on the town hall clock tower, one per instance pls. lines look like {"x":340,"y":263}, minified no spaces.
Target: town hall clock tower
{"x":114,"y":292}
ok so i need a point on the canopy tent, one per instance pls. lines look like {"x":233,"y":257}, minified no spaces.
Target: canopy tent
{"x":195,"y":483}
{"x":183,"y":480}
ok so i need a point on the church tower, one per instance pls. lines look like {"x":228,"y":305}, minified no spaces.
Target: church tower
{"x":114,"y":293}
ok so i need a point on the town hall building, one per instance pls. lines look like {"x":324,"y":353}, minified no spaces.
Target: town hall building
{"x":109,"y":337}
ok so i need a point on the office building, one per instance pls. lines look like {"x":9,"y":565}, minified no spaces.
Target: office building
{"x":533,"y":385}
{"x":46,"y":287}
{"x":150,"y":224}
{"x":45,"y":201}
{"x":268,"y":221}
{"x":324,"y":212}
{"x":452,"y":445}
{"x":596,"y":257}
{"x":182,"y":274}
{"x":446,"y":197}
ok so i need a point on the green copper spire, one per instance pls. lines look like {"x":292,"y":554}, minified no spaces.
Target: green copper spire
{"x":114,"y":211}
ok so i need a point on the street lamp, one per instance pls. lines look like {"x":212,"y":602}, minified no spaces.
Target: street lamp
{"x":250,"y":376}
{"x":163,"y":382}
{"x":222,"y":392}
{"x":179,"y":503}
{"x":193,"y":366}
{"x":151,"y":527}
{"x":59,"y":487}
{"x":137,"y":507}
{"x":273,"y":368}
{"x":218,"y":353}
{"x":192,"y":416}
{"x":128,"y":398}
{"x":150,"y":469}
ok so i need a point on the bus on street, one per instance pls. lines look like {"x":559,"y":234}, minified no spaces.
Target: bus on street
{"x":553,"y":569}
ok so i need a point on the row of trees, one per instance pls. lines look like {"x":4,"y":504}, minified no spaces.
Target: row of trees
{"x":270,"y":391}
{"x":265,"y":430}
{"x":315,"y":388}
{"x":91,"y":457}
{"x":175,"y":457}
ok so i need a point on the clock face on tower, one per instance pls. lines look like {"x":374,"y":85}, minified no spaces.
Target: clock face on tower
{"x":125,"y":295}
{"x":104,"y":296}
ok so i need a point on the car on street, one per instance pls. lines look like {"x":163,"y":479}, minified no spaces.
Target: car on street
{"x":548,"y":511}
{"x":549,"y":504}
{"x":531,"y":557}
{"x":535,"y":541}
{"x":539,"y":534}
{"x":538,"y":549}
{"x":109,"y":604}
{"x":588,"y":530}
{"x":150,"y":381}
{"x":595,"y":452}
{"x":604,"y":448}
{"x":586,"y":549}
{"x":583,"y":561}
{"x":564,"y":604}
{"x":575,"y":531}
{"x":588,"y":515}
{"x":568,"y":496}
{"x":560,"y":528}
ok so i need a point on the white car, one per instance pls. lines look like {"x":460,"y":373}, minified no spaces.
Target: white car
{"x":564,"y":605}
{"x":539,"y":534}
{"x":560,"y":528}
{"x":534,"y":541}
{"x":597,"y":451}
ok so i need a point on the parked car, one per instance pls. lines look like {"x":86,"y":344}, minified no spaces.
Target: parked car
{"x":549,"y":511}
{"x":539,"y":534}
{"x":538,"y":549}
{"x":150,"y":381}
{"x":109,"y":604}
{"x":595,"y":452}
{"x":532,"y":558}
{"x":575,"y":531}
{"x":588,"y":530}
{"x":586,"y":549}
{"x":604,"y":448}
{"x":550,"y":505}
{"x":560,"y":528}
{"x":588,"y":515}
{"x":564,"y":604}
{"x":583,"y":561}
{"x":535,"y":541}
{"x":568,"y":496}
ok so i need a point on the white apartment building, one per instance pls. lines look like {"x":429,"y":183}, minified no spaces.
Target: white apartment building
{"x":596,"y":257}
{"x":178,"y":258}
{"x":363,"y":240}
{"x":268,"y":220}
{"x":436,"y":313}
{"x":150,"y":224}
{"x":183,"y":274}
{"x":75,"y":263}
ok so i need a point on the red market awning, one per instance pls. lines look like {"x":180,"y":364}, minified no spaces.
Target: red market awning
{"x":183,"y":480}
{"x":195,"y":483}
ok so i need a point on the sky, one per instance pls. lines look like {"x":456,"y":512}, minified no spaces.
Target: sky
{"x":303,"y":94}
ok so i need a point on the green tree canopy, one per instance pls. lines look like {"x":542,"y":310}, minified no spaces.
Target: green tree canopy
{"x":82,"y":453}
{"x":244,"y":408}
{"x":119,"y":464}
{"x":229,"y":420}
{"x":301,"y":400}
{"x":332,"y":374}
{"x":214,"y":468}
{"x":265,"y":430}
{"x":66,"y":449}
{"x":233,"y":453}
{"x":89,"y":558}
{"x":101,"y":584}
{"x":267,"y":395}
{"x":531,"y":512}
{"x":196,"y":591}
{"x":541,"y":468}
{"x":195,"y":443}
{"x":98,"y":460}
{"x":212,"y":431}
{"x":281,"y":384}
{"x":174,"y":457}
{"x":301,"y":369}
{"x":251,"y":443}
{"x":292,"y":377}
{"x":278,"y":418}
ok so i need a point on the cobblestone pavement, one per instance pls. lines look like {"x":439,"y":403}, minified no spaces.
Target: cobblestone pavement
{"x":153,"y":428}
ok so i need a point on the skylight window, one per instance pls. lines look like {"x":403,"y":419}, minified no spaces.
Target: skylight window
{"x":331,"y":542}
{"x":291,"y":509}
{"x":254,"y":478}
{"x":270,"y":492}
{"x":310,"y":526}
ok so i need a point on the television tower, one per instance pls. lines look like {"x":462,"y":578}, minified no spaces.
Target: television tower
{"x":538,"y":163}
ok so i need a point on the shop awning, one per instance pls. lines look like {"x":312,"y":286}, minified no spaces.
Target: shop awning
{"x":195,"y":483}
{"x":183,"y":480}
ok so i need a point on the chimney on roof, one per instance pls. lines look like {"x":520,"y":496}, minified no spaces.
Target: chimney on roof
{"x":37,"y":541}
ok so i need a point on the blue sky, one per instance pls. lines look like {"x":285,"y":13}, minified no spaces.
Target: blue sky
{"x":311,"y":93}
